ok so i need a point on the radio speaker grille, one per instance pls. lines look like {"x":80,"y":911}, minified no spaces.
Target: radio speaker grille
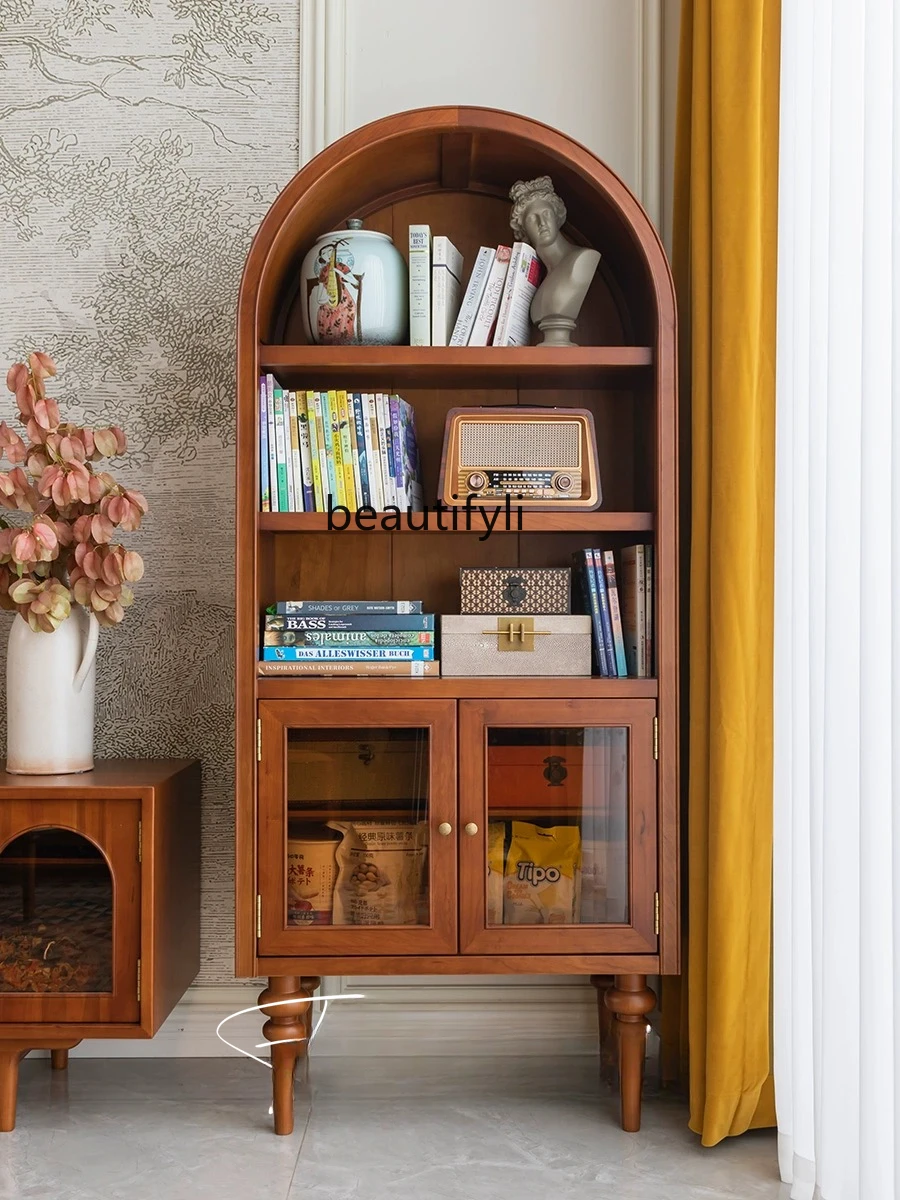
{"x":534,"y":445}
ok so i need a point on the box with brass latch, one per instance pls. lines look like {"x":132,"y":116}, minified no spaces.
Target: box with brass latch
{"x":491,"y":645}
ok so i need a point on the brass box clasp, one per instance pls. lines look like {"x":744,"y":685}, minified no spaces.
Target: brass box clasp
{"x":516,"y":633}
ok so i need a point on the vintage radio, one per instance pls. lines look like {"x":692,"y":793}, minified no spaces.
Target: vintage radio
{"x":542,"y":458}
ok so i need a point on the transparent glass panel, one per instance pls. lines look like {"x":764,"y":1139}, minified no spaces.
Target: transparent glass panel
{"x":357,"y":819}
{"x":557,"y":826}
{"x":56,"y":914}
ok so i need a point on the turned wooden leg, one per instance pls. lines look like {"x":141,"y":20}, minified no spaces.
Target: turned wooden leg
{"x":287,"y":1030}
{"x":9,"y":1083}
{"x":59,"y":1059}
{"x":630,"y":999}
{"x":605,"y":1025}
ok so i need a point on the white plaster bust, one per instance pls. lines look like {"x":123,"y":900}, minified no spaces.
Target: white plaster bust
{"x":537,"y":216}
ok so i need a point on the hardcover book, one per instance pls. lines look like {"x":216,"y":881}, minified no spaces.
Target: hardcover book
{"x":356,"y":607}
{"x":330,"y":622}
{"x":524,"y":275}
{"x":319,"y":410}
{"x":264,"y":505}
{"x":273,"y":457}
{"x":612,"y":589}
{"x":360,"y":451}
{"x":337,"y":667}
{"x":350,"y":498}
{"x":348,"y":654}
{"x":280,"y":450}
{"x":419,"y":285}
{"x":373,"y":452}
{"x":632,"y":587}
{"x":446,"y":289}
{"x":348,"y":637}
{"x":306,"y":475}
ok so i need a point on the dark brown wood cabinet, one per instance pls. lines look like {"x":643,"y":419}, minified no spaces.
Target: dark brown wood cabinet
{"x":466,"y":768}
{"x":99,"y":906}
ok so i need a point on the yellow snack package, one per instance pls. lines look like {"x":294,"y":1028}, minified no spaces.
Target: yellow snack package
{"x":496,"y":840}
{"x":541,"y":877}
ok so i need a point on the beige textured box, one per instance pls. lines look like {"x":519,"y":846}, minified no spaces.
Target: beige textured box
{"x":507,"y":645}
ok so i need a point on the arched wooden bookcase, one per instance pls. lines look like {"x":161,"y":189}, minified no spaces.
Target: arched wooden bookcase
{"x":452,"y":168}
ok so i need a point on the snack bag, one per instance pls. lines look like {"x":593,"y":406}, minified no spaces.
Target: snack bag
{"x":381,"y":872}
{"x":496,"y":840}
{"x":541,"y":878}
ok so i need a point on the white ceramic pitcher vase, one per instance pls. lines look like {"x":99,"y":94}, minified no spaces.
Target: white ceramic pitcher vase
{"x":50,"y":696}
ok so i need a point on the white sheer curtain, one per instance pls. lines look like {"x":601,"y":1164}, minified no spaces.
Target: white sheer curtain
{"x":837,"y":596}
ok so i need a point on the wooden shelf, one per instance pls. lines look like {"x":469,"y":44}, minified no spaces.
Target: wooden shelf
{"x":576,"y":687}
{"x":532,"y":522}
{"x":457,"y":366}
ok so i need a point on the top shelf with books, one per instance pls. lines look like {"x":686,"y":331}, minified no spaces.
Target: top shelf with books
{"x":458,"y":366}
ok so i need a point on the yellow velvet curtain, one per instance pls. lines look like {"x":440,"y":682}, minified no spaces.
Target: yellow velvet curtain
{"x":726,"y":197}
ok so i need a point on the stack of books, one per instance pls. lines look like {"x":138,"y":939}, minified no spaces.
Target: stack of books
{"x":348,"y":637}
{"x":620,"y":602}
{"x":495,"y":308}
{"x":319,"y":450}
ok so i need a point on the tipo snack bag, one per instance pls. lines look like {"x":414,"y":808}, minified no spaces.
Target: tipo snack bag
{"x":496,"y":840}
{"x":541,"y":879}
{"x":381,"y":872}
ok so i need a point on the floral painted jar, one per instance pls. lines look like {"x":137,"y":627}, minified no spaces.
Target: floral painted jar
{"x":355,"y":289}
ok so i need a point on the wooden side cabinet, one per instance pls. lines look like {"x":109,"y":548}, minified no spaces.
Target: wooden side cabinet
{"x":99,"y":906}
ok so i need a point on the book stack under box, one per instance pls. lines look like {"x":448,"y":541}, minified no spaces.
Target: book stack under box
{"x":620,"y":602}
{"x":321,"y":450}
{"x":348,"y":637}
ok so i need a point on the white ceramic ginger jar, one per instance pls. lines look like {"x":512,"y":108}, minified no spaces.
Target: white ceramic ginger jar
{"x":355,"y":289}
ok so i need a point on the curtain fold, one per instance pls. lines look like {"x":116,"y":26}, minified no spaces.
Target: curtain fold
{"x":725,"y":261}
{"x":837,"y":602}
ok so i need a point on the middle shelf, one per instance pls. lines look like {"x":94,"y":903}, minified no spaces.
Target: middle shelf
{"x":526,"y":522}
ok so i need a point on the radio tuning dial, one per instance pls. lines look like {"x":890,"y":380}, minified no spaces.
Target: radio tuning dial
{"x":476,"y":481}
{"x":563,"y":483}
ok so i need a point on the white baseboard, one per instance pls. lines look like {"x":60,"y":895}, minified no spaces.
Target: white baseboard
{"x":408,"y":1022}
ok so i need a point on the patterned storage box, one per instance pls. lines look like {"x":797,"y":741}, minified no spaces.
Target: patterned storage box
{"x":492,"y":645}
{"x":532,"y":591}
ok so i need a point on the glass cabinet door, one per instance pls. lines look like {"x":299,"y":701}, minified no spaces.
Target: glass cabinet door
{"x":357,"y":827}
{"x":557,"y":805}
{"x":69,"y":910}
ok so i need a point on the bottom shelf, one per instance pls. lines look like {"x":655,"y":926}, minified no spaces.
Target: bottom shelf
{"x":473,"y":687}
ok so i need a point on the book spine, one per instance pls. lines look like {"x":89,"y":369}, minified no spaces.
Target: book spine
{"x":419,"y":285}
{"x":319,"y":412}
{"x":384,"y":445}
{"x":306,"y":461}
{"x":347,"y":452}
{"x":381,"y":622}
{"x":264,"y":505}
{"x":593,"y":599}
{"x":500,"y":329}
{"x":359,"y":638}
{"x":352,"y":607}
{"x":518,"y":332}
{"x":348,"y":654}
{"x":337,"y":450}
{"x":281,"y":451}
{"x":648,"y":609}
{"x":472,"y":298}
{"x":336,"y":667}
{"x":485,"y":321}
{"x":329,"y":424}
{"x":295,"y":471}
{"x":316,"y":504}
{"x":273,"y":456}
{"x":641,"y":576}
{"x":605,"y":619}
{"x":360,"y":453}
{"x":373,"y":452}
{"x":411,"y":468}
{"x":628,"y":601}
{"x":446,"y":286}
{"x":397,"y":452}
{"x":612,"y":589}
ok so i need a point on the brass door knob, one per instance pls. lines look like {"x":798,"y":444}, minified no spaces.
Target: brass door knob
{"x":471,"y":829}
{"x":445,"y":829}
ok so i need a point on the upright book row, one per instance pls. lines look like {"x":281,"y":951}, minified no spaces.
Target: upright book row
{"x":619,"y":599}
{"x":318,"y":450}
{"x":493,"y":311}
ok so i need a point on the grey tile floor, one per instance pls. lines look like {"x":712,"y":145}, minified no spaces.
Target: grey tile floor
{"x":366,"y":1129}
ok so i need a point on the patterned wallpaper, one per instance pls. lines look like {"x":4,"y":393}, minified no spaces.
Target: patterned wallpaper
{"x":141,"y":141}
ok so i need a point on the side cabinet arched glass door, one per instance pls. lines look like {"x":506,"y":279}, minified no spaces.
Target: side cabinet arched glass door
{"x":69,"y":911}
